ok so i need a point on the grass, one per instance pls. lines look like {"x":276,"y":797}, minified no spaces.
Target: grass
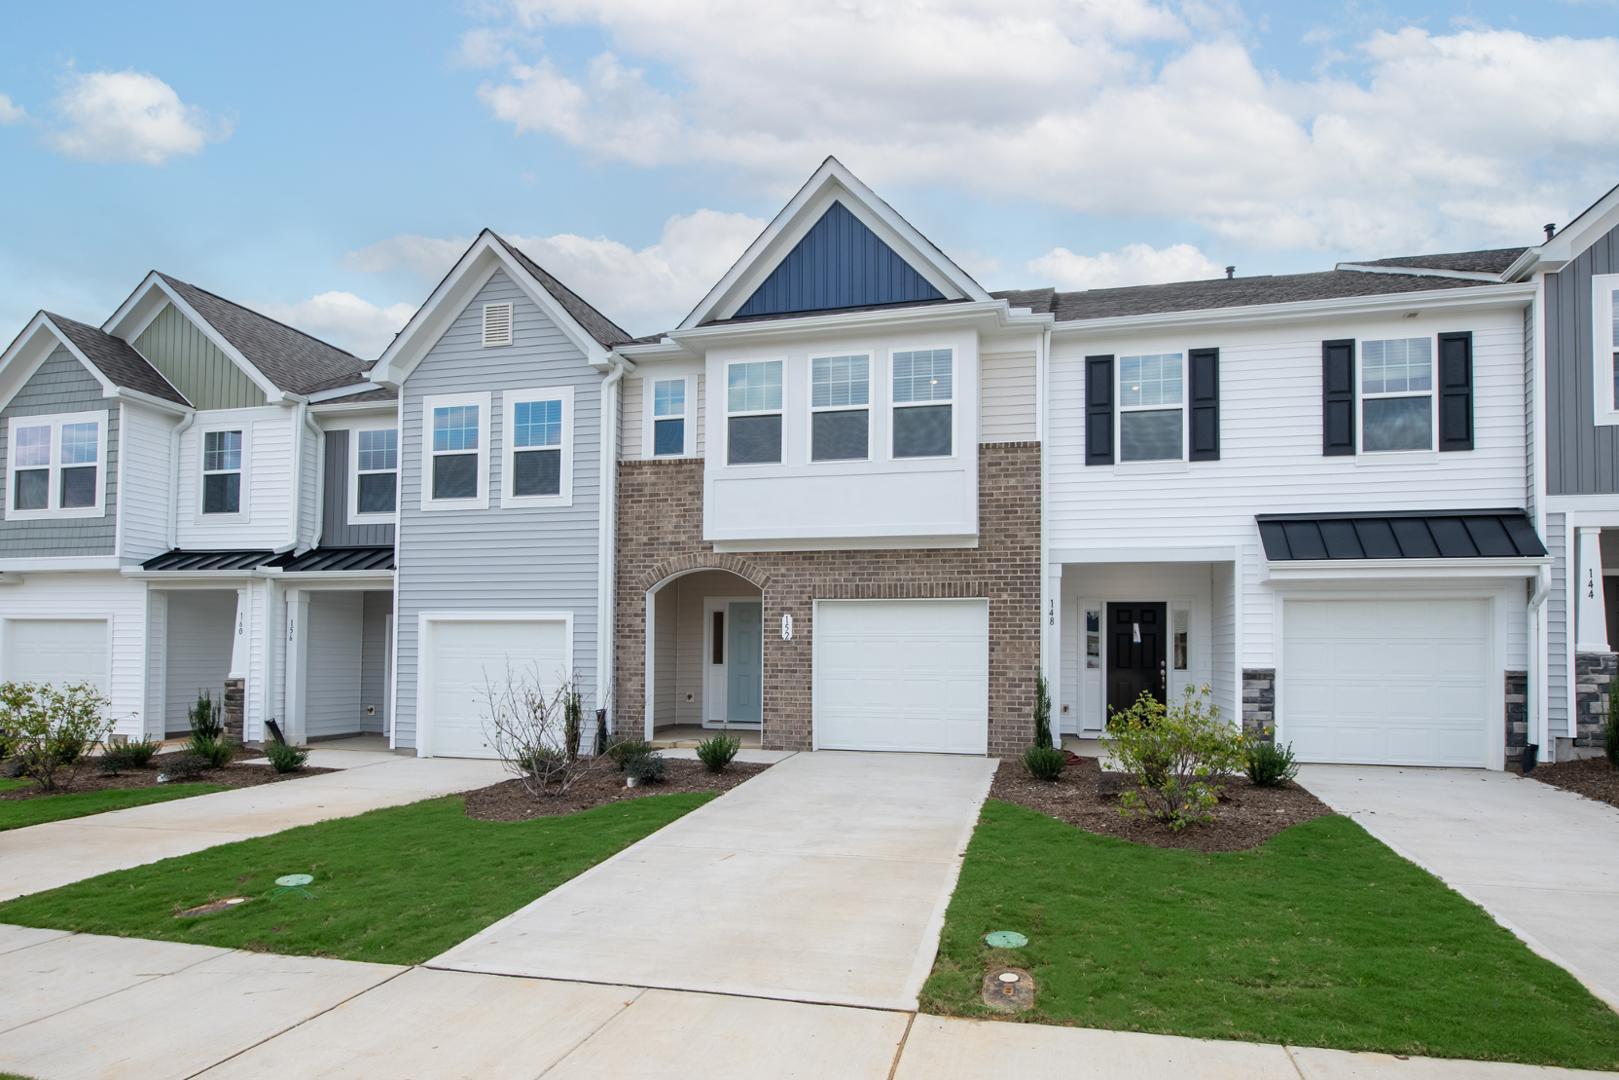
{"x":1320,"y":937}
{"x":20,"y":813}
{"x":394,"y":886}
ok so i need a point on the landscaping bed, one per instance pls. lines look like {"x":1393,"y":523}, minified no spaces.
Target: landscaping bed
{"x":1595,"y":778}
{"x":510,"y":801}
{"x":1086,"y":796}
{"x":89,"y":777}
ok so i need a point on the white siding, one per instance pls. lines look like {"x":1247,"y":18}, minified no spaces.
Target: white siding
{"x":309,"y":508}
{"x":1558,"y":619}
{"x":668,"y":686}
{"x":1008,"y":397}
{"x":336,"y":634}
{"x":201,"y":625}
{"x":632,"y":425}
{"x":147,"y":461}
{"x":266,"y":520}
{"x":632,"y":430}
{"x":1223,"y":678}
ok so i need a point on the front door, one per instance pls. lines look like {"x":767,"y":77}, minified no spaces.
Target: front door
{"x":1135,"y":653}
{"x":744,"y":665}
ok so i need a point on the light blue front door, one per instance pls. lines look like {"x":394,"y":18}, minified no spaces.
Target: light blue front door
{"x":744,"y":646}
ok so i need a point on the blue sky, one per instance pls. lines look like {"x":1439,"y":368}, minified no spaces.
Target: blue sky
{"x":325,"y":162}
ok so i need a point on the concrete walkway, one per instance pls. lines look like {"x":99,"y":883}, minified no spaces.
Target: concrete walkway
{"x":824,"y":879}
{"x":78,"y":1005}
{"x":56,"y":853}
{"x":1544,"y":862}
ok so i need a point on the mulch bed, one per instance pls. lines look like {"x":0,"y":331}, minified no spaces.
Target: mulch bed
{"x":1594,"y":778}
{"x":510,"y":801}
{"x":1088,"y":797}
{"x":89,"y":777}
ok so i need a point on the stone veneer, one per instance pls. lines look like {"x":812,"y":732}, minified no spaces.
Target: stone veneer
{"x":660,"y":535}
{"x":1594,"y":674}
{"x":235,"y":699}
{"x":1517,"y":717}
{"x":1259,"y":702}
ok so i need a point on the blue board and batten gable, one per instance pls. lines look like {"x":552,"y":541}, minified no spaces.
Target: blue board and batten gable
{"x":839,"y":263}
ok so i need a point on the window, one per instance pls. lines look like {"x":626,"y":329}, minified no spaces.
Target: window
{"x":668,"y":417}
{"x":1396,"y":395}
{"x":222,"y":472}
{"x":1152,"y":416}
{"x":497,"y":325}
{"x":924,"y":392}
{"x":840,"y":414}
{"x":1093,"y":639}
{"x":457,"y":452}
{"x":54,"y":465}
{"x":753,"y":413}
{"x":375,"y":458}
{"x":1180,"y":617}
{"x":1605,"y":346}
{"x":537,"y":458}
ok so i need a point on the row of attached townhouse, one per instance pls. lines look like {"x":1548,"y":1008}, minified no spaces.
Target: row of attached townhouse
{"x":853,"y":501}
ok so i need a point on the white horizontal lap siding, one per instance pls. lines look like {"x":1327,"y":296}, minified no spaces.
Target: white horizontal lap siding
{"x":147,"y":460}
{"x":1008,"y":397}
{"x":309,"y":520}
{"x":267,"y":487}
{"x":1557,"y":629}
{"x":1270,"y":448}
{"x":631,"y":424}
{"x":499,"y":559}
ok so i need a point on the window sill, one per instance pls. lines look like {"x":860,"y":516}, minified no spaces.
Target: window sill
{"x":1147,"y":468}
{"x":1375,"y":457}
{"x":1607,"y":419}
{"x":431,"y":505}
{"x":357,"y":520}
{"x":54,"y":515}
{"x":529,"y":502}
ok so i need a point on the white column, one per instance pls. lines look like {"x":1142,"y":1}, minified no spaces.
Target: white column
{"x":292,"y":723}
{"x":239,"y":640}
{"x":1591,"y":609}
{"x":1051,"y":645}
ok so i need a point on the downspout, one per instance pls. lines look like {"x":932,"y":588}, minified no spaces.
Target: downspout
{"x":1535,"y":722}
{"x":174,"y":502}
{"x":1050,"y":605}
{"x":299,"y":425}
{"x":606,"y":536}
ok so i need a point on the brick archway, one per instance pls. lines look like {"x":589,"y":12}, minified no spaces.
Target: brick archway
{"x":682,"y":565}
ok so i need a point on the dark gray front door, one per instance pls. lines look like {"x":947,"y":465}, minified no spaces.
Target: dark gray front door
{"x":1135,"y":653}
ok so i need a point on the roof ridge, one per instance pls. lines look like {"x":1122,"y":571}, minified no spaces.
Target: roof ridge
{"x":532,"y":265}
{"x":259,"y":314}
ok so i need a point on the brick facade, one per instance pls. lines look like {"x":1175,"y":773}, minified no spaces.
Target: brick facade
{"x":1594,"y":674}
{"x":660,"y":535}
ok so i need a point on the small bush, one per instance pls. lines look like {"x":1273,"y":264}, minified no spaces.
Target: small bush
{"x":1042,"y":712}
{"x":622,"y":750}
{"x":284,"y":757}
{"x":1176,"y":756}
{"x":1610,"y":734}
{"x":1269,"y":765}
{"x":125,"y":758}
{"x":541,"y":761}
{"x":1044,"y":762}
{"x":140,"y":753}
{"x":212,"y":749}
{"x":185,"y":767}
{"x":646,"y":768}
{"x":207,"y":716}
{"x":717,"y":751}
{"x":53,"y":727}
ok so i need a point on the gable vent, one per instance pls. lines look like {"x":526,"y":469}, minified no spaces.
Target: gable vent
{"x":497,"y":325}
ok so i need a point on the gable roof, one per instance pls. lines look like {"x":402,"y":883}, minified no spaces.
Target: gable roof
{"x":604,"y":330}
{"x":1483,"y":261}
{"x":116,"y":359}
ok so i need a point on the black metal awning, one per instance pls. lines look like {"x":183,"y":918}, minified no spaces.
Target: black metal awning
{"x":193,"y":562}
{"x":333,"y":559}
{"x":1420,"y":534}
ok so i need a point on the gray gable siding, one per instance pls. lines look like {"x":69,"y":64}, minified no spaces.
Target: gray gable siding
{"x":195,"y":365}
{"x":1581,"y":458}
{"x":541,"y":558}
{"x":61,"y":385}
{"x":335,"y":530}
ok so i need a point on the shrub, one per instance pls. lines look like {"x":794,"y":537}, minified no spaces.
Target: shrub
{"x":1176,"y":757}
{"x":212,"y":749}
{"x":536,"y":733}
{"x":620,"y":751}
{"x":1610,"y":734}
{"x":129,"y":755}
{"x":284,"y":757}
{"x":1042,"y":712}
{"x":140,"y":752}
{"x":52,"y":727}
{"x":1269,"y":765}
{"x":573,"y":722}
{"x":206,"y":716}
{"x":184,"y":767}
{"x":1044,"y":762}
{"x":717,"y":751}
{"x":646,"y":768}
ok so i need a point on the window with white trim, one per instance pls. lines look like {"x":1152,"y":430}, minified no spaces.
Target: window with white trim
{"x":1396,"y":395}
{"x":753,"y":412}
{"x":54,"y":465}
{"x":222,"y":472}
{"x":923,"y":403}
{"x":537,"y":455}
{"x":376,"y":473}
{"x":840,"y":408}
{"x":456,"y":461}
{"x":1152,"y":407}
{"x":668,"y":417}
{"x":1605,"y":347}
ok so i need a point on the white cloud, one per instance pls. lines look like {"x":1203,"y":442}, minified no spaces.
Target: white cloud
{"x":1133,"y":264}
{"x":1406,"y":140}
{"x":130,"y":116}
{"x":642,"y":289}
{"x":481,"y":47}
{"x":345,"y":320}
{"x":10,"y":112}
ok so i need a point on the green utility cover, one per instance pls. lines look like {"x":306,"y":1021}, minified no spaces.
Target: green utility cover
{"x":293,"y":881}
{"x":1005,"y":939}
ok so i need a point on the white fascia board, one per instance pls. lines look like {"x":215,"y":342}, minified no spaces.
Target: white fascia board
{"x":340,"y":392}
{"x":1595,"y":221}
{"x":24,"y":356}
{"x":1356,"y":569}
{"x":1383,"y":303}
{"x":345,"y":408}
{"x":1144,"y":554}
{"x":163,"y":404}
{"x":118,"y":328}
{"x":1419,"y":271}
{"x":66,"y":562}
{"x":994,"y":312}
{"x":347,"y":579}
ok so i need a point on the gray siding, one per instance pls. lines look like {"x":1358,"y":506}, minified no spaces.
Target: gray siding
{"x":61,"y":385}
{"x":1531,"y":398}
{"x":374,"y":661}
{"x":539,"y":558}
{"x":336,"y":629}
{"x":335,"y":530}
{"x":1581,"y":458}
{"x":198,"y":369}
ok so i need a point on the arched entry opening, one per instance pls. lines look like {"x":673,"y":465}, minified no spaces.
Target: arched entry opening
{"x":704,"y":657}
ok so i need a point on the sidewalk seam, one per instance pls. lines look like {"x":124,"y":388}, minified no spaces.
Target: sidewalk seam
{"x":640,"y":992}
{"x":899,"y":1051}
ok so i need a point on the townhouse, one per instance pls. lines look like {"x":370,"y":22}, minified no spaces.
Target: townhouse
{"x":853,"y":501}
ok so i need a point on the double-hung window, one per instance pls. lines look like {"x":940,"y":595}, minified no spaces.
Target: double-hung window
{"x":1152,"y":407}
{"x":924,"y":403}
{"x":54,"y":465}
{"x":222,"y":454}
{"x":753,"y":413}
{"x":1396,"y":395}
{"x":840,"y":408}
{"x":457,"y":442}
{"x":1605,"y":347}
{"x":537,"y":454}
{"x":376,"y":473}
{"x":668,"y":417}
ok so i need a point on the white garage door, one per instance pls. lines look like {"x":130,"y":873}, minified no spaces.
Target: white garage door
{"x":56,"y":651}
{"x":465,"y":658}
{"x":902,"y":675}
{"x":1388,"y":682}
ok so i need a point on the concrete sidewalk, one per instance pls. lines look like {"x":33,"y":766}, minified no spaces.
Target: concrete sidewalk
{"x":78,"y":1005}
{"x":56,"y":853}
{"x":1544,"y":862}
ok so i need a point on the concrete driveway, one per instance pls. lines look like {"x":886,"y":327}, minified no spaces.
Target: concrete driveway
{"x":1543,"y":862}
{"x":824,"y":879}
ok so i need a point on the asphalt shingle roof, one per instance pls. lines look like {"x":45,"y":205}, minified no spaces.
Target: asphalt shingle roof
{"x":605,"y":331}
{"x":1485,"y":261}
{"x":117,"y":359}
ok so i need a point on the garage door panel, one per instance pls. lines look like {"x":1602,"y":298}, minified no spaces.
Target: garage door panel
{"x":57,"y":651}
{"x":469,"y":658}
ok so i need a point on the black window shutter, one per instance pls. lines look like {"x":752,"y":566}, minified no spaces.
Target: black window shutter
{"x":1099,"y":410}
{"x":1338,"y":397}
{"x":1205,"y":385}
{"x":1456,"y":391}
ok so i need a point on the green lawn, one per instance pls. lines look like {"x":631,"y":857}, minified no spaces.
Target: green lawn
{"x":1320,"y":937}
{"x":17,"y":813}
{"x":392,"y":886}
